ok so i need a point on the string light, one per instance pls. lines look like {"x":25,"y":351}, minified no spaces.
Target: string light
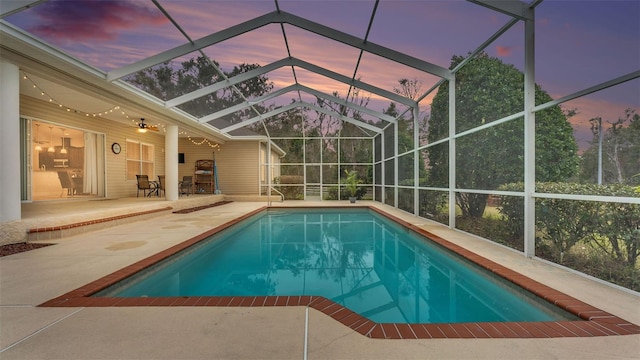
{"x":51,"y":99}
{"x":204,"y":141}
{"x":115,"y":108}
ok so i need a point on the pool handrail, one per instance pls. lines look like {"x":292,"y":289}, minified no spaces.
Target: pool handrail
{"x":271,"y":188}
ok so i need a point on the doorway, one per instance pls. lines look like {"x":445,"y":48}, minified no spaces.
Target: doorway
{"x":65,"y":162}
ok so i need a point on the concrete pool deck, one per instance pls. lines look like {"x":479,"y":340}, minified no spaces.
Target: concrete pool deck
{"x":31,"y":278}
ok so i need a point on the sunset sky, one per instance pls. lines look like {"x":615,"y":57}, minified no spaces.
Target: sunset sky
{"x":578,"y":43}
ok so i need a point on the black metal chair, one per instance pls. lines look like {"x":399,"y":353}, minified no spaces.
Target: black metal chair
{"x":186,"y":185}
{"x":160,"y":184}
{"x":145,"y":185}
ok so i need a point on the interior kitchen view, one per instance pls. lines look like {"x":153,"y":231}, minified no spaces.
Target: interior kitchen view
{"x":62,"y":165}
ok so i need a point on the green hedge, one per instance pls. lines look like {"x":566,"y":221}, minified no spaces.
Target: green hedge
{"x":586,"y":234}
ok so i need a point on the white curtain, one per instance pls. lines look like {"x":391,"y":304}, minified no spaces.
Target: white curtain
{"x":90,"y":181}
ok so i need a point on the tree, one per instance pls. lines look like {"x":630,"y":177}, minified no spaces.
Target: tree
{"x":167,"y":81}
{"x":307,"y":134}
{"x":283,"y":125}
{"x":620,"y":150}
{"x":412,"y":89}
{"x":348,"y":151}
{"x":487,"y":90}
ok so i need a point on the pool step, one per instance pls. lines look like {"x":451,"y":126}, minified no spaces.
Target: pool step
{"x":59,"y":231}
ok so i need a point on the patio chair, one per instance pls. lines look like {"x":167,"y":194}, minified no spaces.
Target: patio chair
{"x":67,"y":183}
{"x":186,"y":185}
{"x":145,"y":185}
{"x":160,"y":184}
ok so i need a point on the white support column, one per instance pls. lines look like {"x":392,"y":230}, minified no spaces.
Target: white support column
{"x":269,"y":176}
{"x":9,"y":142}
{"x":321,"y":166}
{"x":416,"y":160}
{"x":171,"y":163}
{"x":529,"y":137}
{"x":373,"y":167}
{"x":452,"y":153}
{"x":382,"y":170}
{"x":304,"y":167}
{"x":340,"y":190}
{"x":395,"y":165}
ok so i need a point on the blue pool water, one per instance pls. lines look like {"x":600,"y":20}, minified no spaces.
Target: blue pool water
{"x":355,"y":257}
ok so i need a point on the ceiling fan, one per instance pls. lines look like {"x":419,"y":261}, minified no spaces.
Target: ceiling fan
{"x":142,"y":127}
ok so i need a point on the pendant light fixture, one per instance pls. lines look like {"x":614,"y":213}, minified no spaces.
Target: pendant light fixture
{"x":51,"y":149}
{"x":63,"y":151}
{"x":38,"y":147}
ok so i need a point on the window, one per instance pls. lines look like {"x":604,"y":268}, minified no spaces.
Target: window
{"x":140,"y":159}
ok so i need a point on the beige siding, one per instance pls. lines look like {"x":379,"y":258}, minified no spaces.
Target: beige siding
{"x":237,"y":163}
{"x":117,"y":184}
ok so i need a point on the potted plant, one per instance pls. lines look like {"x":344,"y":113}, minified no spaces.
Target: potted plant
{"x":352,"y":182}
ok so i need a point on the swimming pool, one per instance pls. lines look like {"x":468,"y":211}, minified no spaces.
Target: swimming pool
{"x":592,"y":321}
{"x":353,"y":257}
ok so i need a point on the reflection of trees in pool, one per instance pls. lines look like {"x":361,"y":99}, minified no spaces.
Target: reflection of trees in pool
{"x":291,"y":257}
{"x":319,"y":253}
{"x":405,"y":273}
{"x":365,"y":263}
{"x":329,"y":257}
{"x":375,"y":270}
{"x":394,"y":264}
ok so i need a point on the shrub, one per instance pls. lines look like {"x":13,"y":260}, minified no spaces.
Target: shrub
{"x":434,"y":205}
{"x":490,"y":227}
{"x":332,"y":193}
{"x":611,"y":229}
{"x":351,"y":183}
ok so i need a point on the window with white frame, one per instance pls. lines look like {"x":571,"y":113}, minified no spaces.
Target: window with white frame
{"x":140,"y":159}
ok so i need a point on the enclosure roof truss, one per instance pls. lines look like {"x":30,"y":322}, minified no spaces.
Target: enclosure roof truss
{"x":514,"y":9}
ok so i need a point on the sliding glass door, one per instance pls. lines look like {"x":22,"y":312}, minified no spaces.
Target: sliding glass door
{"x":65,"y":162}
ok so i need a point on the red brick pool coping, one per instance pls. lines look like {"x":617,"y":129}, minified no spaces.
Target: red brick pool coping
{"x":93,"y":222}
{"x":595,"y":322}
{"x":202,"y":207}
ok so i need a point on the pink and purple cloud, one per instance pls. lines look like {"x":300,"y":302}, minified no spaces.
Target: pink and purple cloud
{"x":69,"y":21}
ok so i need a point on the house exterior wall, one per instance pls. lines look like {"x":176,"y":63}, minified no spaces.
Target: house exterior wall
{"x":117,"y":184}
{"x":274,"y":161}
{"x":237,"y":161}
